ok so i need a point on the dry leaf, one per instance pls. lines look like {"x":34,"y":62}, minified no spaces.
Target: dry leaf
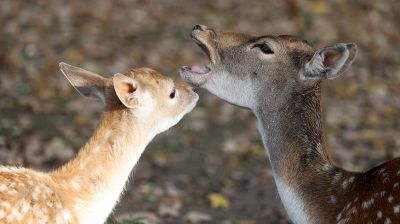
{"x":218,"y":200}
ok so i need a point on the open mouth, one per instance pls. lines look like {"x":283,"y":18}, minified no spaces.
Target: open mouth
{"x":199,"y":69}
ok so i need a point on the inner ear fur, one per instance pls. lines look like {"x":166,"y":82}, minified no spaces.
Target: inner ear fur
{"x":330,"y":62}
{"x":126,"y":89}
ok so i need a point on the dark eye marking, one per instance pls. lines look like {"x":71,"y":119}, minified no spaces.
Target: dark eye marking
{"x":264,"y":48}
{"x":172,"y":94}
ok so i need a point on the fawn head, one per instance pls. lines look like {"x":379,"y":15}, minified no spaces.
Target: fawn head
{"x":155,"y":99}
{"x":245,"y":69}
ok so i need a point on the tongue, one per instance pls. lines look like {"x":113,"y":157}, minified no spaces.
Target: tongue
{"x":201,"y":69}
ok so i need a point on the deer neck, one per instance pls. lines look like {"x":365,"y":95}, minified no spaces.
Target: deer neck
{"x":293,"y":136}
{"x":292,"y":133}
{"x":97,"y":176}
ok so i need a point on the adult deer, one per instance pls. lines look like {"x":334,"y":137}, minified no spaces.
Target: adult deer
{"x":138,"y":106}
{"x":279,"y":79}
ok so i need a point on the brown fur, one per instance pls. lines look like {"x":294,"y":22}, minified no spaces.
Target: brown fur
{"x":285,"y":96}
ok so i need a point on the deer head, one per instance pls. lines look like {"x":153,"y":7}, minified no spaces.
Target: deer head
{"x":145,"y":93}
{"x":249,"y":71}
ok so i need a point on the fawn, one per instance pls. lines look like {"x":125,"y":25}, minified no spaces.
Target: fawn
{"x":279,"y":79}
{"x":138,"y":105}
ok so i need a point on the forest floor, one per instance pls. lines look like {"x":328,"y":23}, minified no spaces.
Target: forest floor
{"x":211,"y":167}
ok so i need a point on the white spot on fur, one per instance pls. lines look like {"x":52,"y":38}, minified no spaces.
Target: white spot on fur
{"x":379,"y":214}
{"x":344,"y":221}
{"x":108,"y":133}
{"x":344,"y":184}
{"x":347,"y":206}
{"x":367,"y":204}
{"x":5,"y":205}
{"x":395,"y":185}
{"x":339,"y":216}
{"x":388,"y":221}
{"x":332,"y":199}
{"x":396,"y":209}
{"x":66,"y":214}
{"x":75,"y":185}
{"x":14,"y":215}
{"x":326,"y":167}
{"x":58,"y":205}
{"x":25,"y":206}
{"x":292,"y":203}
{"x":390,"y":198}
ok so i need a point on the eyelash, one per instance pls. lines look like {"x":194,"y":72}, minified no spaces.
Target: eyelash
{"x":264,"y":48}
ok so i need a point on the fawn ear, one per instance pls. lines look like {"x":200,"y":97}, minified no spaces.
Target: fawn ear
{"x":86,"y":83}
{"x":126,"y":89}
{"x":329,"y":62}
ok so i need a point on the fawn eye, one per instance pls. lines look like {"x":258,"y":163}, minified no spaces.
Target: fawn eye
{"x":172,"y":94}
{"x":264,"y":48}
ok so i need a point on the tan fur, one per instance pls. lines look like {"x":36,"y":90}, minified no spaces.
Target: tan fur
{"x":75,"y":192}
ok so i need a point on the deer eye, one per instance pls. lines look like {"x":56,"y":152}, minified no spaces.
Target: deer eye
{"x":172,"y":94}
{"x":264,"y":48}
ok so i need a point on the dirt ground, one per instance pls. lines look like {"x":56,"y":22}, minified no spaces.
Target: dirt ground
{"x":211,"y":167}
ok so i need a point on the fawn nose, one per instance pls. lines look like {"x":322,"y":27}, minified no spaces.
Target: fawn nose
{"x":199,"y":28}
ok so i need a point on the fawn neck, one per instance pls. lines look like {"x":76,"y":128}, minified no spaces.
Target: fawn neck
{"x":292,"y":133}
{"x":96,"y":177}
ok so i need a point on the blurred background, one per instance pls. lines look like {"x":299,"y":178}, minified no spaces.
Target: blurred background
{"x":211,"y":167}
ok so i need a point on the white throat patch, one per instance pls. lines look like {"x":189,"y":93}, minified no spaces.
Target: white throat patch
{"x":292,"y":203}
{"x":230,"y":89}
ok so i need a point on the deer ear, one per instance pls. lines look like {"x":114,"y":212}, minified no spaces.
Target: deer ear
{"x":126,"y":89}
{"x":329,"y":62}
{"x":86,"y":83}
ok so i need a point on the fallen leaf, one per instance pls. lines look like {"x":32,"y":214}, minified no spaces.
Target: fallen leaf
{"x":218,"y":200}
{"x":195,"y":217}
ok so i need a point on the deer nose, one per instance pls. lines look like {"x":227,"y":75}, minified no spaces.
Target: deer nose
{"x":199,"y":28}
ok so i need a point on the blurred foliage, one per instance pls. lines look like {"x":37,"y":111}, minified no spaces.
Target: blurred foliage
{"x":130,"y":220}
{"x":216,"y":148}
